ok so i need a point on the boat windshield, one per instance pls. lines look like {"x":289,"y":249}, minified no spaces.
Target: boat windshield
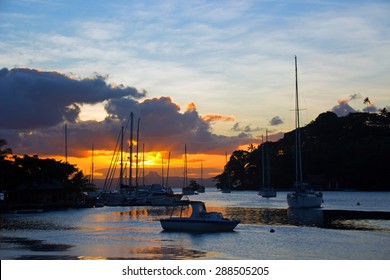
{"x":197,"y":209}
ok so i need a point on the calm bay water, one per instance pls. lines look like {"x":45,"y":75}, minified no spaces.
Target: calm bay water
{"x":135,"y":232}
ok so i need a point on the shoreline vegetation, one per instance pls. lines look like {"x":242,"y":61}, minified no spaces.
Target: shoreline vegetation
{"x":29,"y":182}
{"x":341,"y":153}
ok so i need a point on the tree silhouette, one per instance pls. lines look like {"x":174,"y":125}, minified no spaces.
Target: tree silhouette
{"x":367,"y":102}
{"x":30,"y":180}
{"x":4,"y":152}
{"x":384,"y":112}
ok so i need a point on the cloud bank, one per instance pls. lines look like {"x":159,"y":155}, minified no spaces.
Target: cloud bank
{"x":244,"y":129}
{"x":35,"y":105}
{"x":344,"y":108}
{"x":32,"y":99}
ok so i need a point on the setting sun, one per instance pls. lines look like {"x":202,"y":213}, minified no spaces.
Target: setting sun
{"x":151,"y":161}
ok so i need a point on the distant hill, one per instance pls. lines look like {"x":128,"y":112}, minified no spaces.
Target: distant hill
{"x":154,"y":178}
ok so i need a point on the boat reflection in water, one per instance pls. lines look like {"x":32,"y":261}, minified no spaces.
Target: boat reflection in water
{"x":305,"y":217}
{"x":310,"y":217}
{"x":274,"y":216}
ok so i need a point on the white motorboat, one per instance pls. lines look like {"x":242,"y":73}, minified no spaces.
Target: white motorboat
{"x":303,"y":196}
{"x":199,"y":221}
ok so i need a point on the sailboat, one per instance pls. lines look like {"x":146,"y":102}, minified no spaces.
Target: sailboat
{"x":187,"y":189}
{"x":227,"y":188}
{"x":267,"y":190}
{"x":304,"y":196}
{"x":136,"y":195}
{"x":201,"y":188}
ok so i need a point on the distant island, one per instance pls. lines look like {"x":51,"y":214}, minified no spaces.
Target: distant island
{"x":350,"y":152}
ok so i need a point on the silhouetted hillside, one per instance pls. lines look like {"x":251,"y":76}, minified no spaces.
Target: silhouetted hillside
{"x":338,"y":153}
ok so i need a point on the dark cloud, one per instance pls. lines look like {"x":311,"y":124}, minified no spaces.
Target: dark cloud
{"x":355,"y":96}
{"x":34,"y":106}
{"x":51,"y":141}
{"x":245,"y":129}
{"x":32,"y":99}
{"x":164,"y":126}
{"x":276,"y":121}
{"x":370,"y":108}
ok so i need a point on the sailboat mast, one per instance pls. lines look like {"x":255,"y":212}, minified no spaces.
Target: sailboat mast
{"x":267,"y":162}
{"x":169,"y":159}
{"x":262,"y":161}
{"x":185,"y":166}
{"x":121,"y":167}
{"x":143,"y":164}
{"x":227,"y":171}
{"x":136,"y":164}
{"x":92,"y":163}
{"x":201,"y":173}
{"x":162,"y":171}
{"x":298,"y":153}
{"x":131,"y":151}
{"x":66,"y":143}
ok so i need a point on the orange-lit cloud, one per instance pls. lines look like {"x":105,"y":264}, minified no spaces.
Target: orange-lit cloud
{"x":212,"y":118}
{"x":344,"y":100}
{"x":343,"y":108}
{"x":191,"y":107}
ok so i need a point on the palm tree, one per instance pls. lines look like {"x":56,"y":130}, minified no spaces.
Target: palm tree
{"x":384,"y":112}
{"x":81,"y":182}
{"x":367,"y":102}
{"x":251,"y":148}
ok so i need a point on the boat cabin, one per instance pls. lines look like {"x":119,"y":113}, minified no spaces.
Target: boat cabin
{"x":199,"y":212}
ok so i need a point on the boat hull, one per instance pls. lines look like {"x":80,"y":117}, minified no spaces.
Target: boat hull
{"x":304,"y":200}
{"x":267,"y":193}
{"x":190,"y":225}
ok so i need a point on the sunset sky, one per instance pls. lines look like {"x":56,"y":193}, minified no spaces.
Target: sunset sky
{"x":210,"y":74}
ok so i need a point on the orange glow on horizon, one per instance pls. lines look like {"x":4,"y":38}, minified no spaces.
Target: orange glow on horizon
{"x":153,"y":161}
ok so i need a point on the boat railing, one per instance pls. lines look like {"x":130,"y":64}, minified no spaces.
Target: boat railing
{"x":185,"y":201}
